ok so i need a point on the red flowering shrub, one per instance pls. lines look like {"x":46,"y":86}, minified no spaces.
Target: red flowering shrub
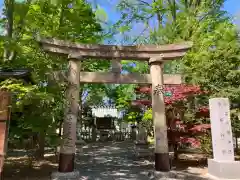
{"x":178,"y":92}
{"x":174,"y":94}
{"x":202,"y":112}
{"x":193,"y":142}
{"x":200,"y":128}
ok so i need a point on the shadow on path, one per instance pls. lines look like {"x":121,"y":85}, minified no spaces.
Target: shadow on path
{"x":111,"y":161}
{"x":99,"y":161}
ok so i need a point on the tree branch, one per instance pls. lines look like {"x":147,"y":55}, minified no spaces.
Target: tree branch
{"x":9,"y":4}
{"x":22,"y":21}
{"x":11,"y":33}
{"x":144,"y":2}
{"x":172,"y":4}
{"x":135,"y":40}
{"x":61,"y":15}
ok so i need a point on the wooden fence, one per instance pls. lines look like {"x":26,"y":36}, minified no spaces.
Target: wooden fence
{"x":89,"y":135}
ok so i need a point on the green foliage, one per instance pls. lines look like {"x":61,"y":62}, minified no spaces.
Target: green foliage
{"x":147,"y":115}
{"x":213,"y":63}
{"x":133,"y":114}
{"x":215,"y":67}
{"x":214,"y":59}
{"x":34,"y":109}
{"x":125,"y":94}
{"x":39,"y":108}
{"x":206,"y":143}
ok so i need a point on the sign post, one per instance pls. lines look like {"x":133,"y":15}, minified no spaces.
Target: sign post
{"x":223,"y":165}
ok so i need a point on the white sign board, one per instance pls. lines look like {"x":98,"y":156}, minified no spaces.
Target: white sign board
{"x":104,"y":112}
{"x":222,"y":140}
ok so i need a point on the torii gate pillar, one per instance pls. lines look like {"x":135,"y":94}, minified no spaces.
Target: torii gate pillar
{"x":67,"y":151}
{"x":162,"y":162}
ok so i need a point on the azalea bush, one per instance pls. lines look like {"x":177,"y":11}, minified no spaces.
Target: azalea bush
{"x":189,"y":120}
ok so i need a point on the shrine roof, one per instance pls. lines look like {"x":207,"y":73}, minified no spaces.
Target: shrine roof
{"x":105,"y":111}
{"x":24,"y":74}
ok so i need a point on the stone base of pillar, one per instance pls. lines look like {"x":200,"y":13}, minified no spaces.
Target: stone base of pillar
{"x":65,"y":176}
{"x":227,"y":170}
{"x":162,"y":162}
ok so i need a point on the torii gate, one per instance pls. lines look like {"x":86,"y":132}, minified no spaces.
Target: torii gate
{"x":154,"y":54}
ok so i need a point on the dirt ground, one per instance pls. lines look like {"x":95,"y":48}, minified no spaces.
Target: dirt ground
{"x":22,"y":168}
{"x":98,"y":161}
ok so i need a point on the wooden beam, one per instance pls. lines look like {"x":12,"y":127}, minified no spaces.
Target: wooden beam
{"x":147,"y":48}
{"x":142,"y":53}
{"x":141,"y":56}
{"x":113,"y":78}
{"x":131,"y":78}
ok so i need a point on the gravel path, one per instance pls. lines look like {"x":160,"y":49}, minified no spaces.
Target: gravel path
{"x":102,"y":161}
{"x":110,"y":161}
{"x":116,"y":161}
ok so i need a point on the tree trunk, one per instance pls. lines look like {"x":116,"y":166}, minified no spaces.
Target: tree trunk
{"x":9,"y":4}
{"x":41,"y":145}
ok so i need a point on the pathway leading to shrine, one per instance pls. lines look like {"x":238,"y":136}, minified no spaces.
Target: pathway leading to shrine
{"x":115,"y":161}
{"x":111,"y":160}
